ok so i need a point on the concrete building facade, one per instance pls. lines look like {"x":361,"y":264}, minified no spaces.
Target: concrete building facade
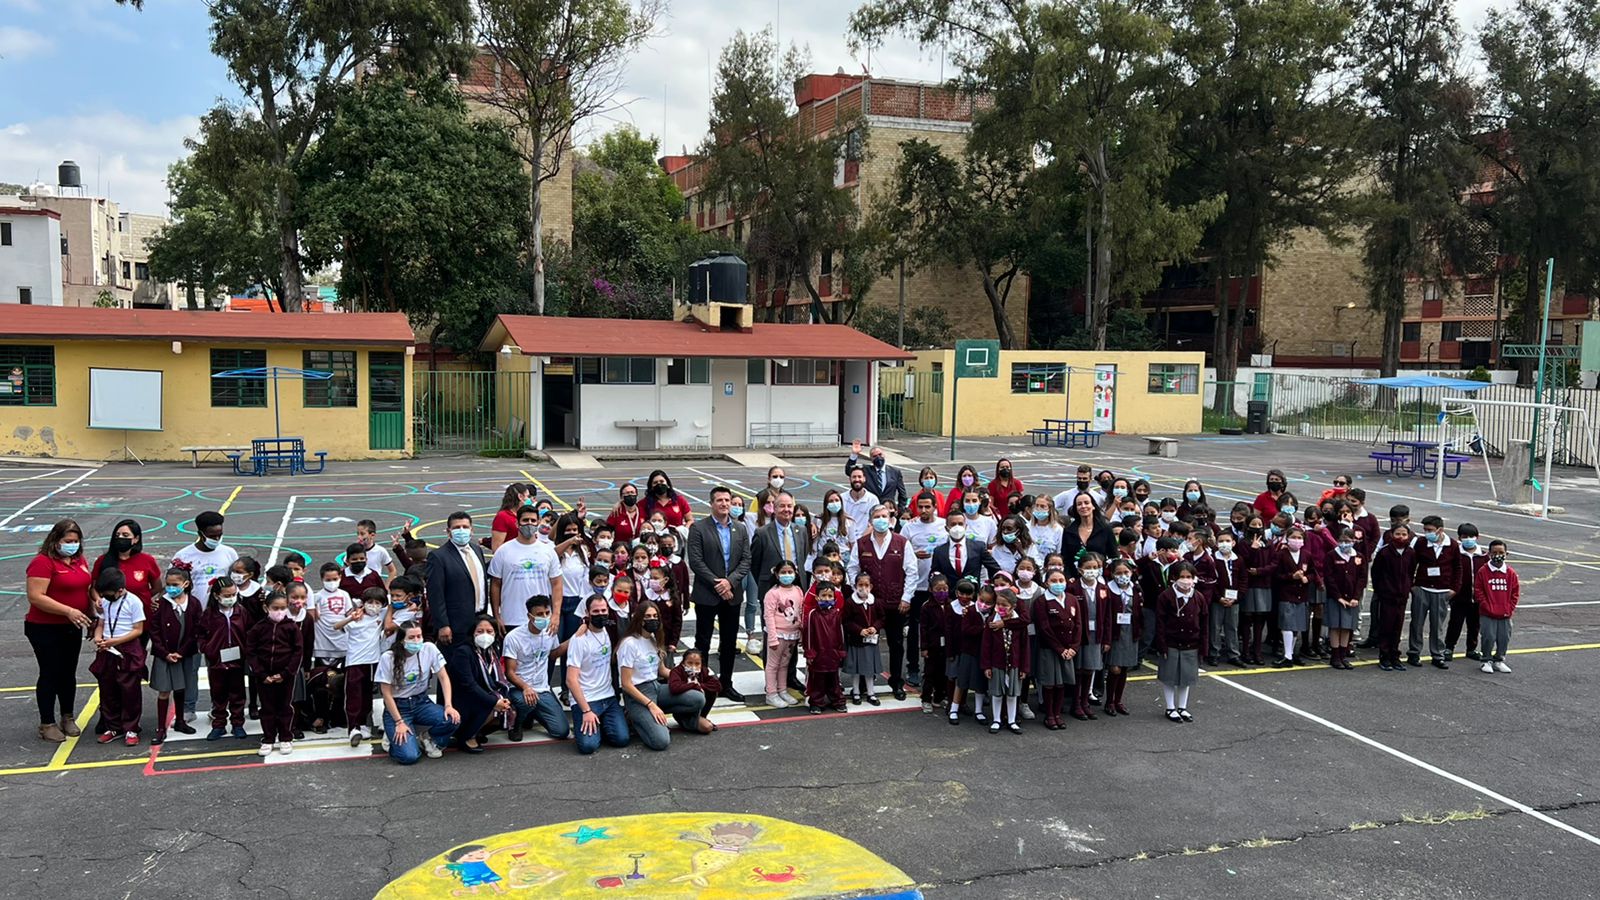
{"x":30,"y":254}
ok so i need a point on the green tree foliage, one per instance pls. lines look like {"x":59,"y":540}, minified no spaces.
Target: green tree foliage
{"x":221,"y":236}
{"x":293,"y":59}
{"x":926,"y":327}
{"x":1541,"y":134}
{"x":1128,"y":329}
{"x":765,"y":159}
{"x":421,"y":207}
{"x":973,"y":212}
{"x":558,"y":63}
{"x":627,"y":215}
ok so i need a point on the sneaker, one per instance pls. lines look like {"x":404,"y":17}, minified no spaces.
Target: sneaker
{"x":355,"y":737}
{"x":927,"y":707}
{"x":215,"y":734}
{"x":264,"y":750}
{"x":1487,"y":668}
{"x":429,"y":748}
{"x":107,"y":737}
{"x":386,"y":742}
{"x":1026,"y":712}
{"x":776,"y":701}
{"x":188,"y":716}
{"x":131,"y":739}
{"x":814,"y":710}
{"x":753,"y":646}
{"x":285,"y":748}
{"x":1501,"y":667}
{"x":239,"y":732}
{"x":366,"y":733}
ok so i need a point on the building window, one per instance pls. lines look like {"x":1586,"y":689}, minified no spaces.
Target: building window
{"x":127,"y":270}
{"x":1450,"y":331}
{"x":1410,"y":331}
{"x":804,"y":372}
{"x":27,"y":376}
{"x":756,"y":372}
{"x":628,"y":370}
{"x":238,"y":392}
{"x":688,"y":371}
{"x":25,"y":296}
{"x":826,"y":269}
{"x":1174,"y":378}
{"x":63,"y":245}
{"x":1557,"y":331}
{"x":340,"y":390}
{"x":141,"y":271}
{"x":1430,"y":291}
{"x":1038,"y":378}
{"x":5,"y":234}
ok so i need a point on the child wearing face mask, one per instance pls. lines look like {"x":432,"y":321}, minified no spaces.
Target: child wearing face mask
{"x":363,"y":631}
{"x":357,"y":576}
{"x":1291,"y":593}
{"x":329,"y":606}
{"x":660,"y":589}
{"x":224,"y":638}
{"x":622,"y":597}
{"x":1498,"y":591}
{"x":1345,"y":582}
{"x":1120,"y":638}
{"x":964,"y":641}
{"x":1437,"y":579}
{"x":119,"y":657}
{"x":1230,"y":585}
{"x":781,"y":620}
{"x":1006,"y":659}
{"x":174,"y":653}
{"x":275,"y":650}
{"x":1464,"y":604}
{"x":932,"y":636}
{"x":1155,"y":576}
{"x":1180,"y":633}
{"x":1057,"y":622}
{"x":1394,"y":566}
{"x":1094,"y":605}
{"x":299,"y":594}
{"x":676,"y":567}
{"x":246,"y":573}
{"x":691,"y":675}
{"x":863,"y":622}
{"x":823,"y":641}
{"x":1260,"y":558}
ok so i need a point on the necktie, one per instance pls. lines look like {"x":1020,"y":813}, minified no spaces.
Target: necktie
{"x":788,"y":542}
{"x":958,"y":559}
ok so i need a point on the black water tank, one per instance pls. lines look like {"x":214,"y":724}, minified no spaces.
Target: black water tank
{"x":729,"y":279}
{"x":68,"y":175}
{"x":697,"y":280}
{"x":1255,"y":417}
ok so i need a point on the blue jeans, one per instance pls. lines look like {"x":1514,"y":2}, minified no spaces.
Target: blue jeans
{"x":547,"y":712}
{"x":752,"y":604}
{"x":418,"y":712}
{"x":613,"y":726}
{"x":684,"y":707}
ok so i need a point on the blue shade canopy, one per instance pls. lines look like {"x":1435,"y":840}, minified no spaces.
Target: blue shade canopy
{"x":275,"y":372}
{"x":1425,"y":381}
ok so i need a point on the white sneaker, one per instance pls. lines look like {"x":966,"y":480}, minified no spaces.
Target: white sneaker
{"x":1025,"y":711}
{"x":264,"y":750}
{"x":1502,"y":667}
{"x":286,"y":748}
{"x":777,"y":700}
{"x":1487,"y":668}
{"x":366,"y":733}
{"x":355,"y":737}
{"x":753,"y":645}
{"x":386,"y":742}
{"x":188,"y":715}
{"x":430,"y":748}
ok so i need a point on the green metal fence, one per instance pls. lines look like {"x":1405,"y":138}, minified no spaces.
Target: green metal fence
{"x":472,"y":412}
{"x":910,"y":401}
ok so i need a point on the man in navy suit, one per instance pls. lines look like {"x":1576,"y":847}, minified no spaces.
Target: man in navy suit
{"x":457,"y":590}
{"x":963,"y":557}
{"x":883,"y":480}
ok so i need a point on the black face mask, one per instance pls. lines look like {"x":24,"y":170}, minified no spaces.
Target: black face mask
{"x":121,"y":544}
{"x":1083,"y":484}
{"x":599,"y":620}
{"x":652,"y":625}
{"x":629,"y":499}
{"x":1004,"y":473}
{"x":660,"y":490}
{"x":1275,"y":485}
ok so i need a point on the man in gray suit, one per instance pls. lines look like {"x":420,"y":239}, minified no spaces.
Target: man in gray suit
{"x":778,"y":540}
{"x":719,"y":557}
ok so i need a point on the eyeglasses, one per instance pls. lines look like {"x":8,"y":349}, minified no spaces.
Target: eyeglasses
{"x":1341,"y":484}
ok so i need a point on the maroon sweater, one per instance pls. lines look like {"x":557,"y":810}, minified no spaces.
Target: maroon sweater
{"x":1346,"y":578}
{"x":1135,"y":607}
{"x":1232,"y":575}
{"x":1205,"y":570}
{"x":167,"y":632}
{"x":681,"y":682}
{"x":857,"y":617}
{"x":1392,"y":571}
{"x":932,"y":629}
{"x":218,"y":632}
{"x":965,"y":631}
{"x":274,"y":648}
{"x":824,"y":640}
{"x":1006,"y":647}
{"x":1438,"y":566}
{"x":1057,"y":623}
{"x":1180,"y":626}
{"x":1285,"y":587}
{"x":1260,"y":562}
{"x":1470,"y":566}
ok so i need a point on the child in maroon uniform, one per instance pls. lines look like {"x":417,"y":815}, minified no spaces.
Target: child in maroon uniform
{"x":1345,"y":581}
{"x":824,"y":648}
{"x":275,"y":647}
{"x":174,"y":652}
{"x":1291,"y":590}
{"x":1393,"y":566}
{"x":1260,"y":556}
{"x":1058,"y":630}
{"x":1498,"y":590}
{"x":357,"y":576}
{"x":932,"y":635}
{"x":1180,"y":633}
{"x":1227,"y":592}
{"x":863,"y":623}
{"x":1005,"y":658}
{"x":119,"y":657}
{"x":1464,"y":605}
{"x":1436,"y":581}
{"x":1121,"y":634}
{"x":224,"y":636}
{"x":691,"y":675}
{"x":964,"y":637}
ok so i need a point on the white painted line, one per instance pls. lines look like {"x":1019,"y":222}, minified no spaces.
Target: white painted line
{"x":8,"y":519}
{"x":283,"y":526}
{"x":32,"y":477}
{"x":307,"y":752}
{"x":1411,"y":760}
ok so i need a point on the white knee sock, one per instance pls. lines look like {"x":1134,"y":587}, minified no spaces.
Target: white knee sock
{"x":1011,"y":709}
{"x":868,"y":692}
{"x":1166,"y":694}
{"x":977,"y":703}
{"x":1288,"y":645}
{"x":1183,"y":697}
{"x":994,"y":703}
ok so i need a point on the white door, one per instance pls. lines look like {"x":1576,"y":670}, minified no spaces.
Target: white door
{"x":727,"y":402}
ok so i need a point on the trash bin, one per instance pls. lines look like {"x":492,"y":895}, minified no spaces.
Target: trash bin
{"x":1256,"y":417}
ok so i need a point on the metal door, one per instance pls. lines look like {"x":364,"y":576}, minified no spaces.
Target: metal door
{"x":728,"y":402}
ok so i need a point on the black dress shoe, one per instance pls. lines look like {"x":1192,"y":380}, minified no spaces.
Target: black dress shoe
{"x":1283,"y":662}
{"x":1413,"y":660}
{"x":464,"y":747}
{"x":899,"y":694}
{"x":1440,"y":664}
{"x":728,"y":693}
{"x":873,"y":699}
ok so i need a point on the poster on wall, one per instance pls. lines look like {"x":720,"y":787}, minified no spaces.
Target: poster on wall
{"x":1105,"y":397}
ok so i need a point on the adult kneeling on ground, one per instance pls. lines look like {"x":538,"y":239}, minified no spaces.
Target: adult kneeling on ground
{"x":649,"y":702}
{"x":594,"y":699}
{"x":405,"y":676}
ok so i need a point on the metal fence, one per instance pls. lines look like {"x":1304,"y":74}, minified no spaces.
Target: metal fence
{"x":471,"y":412}
{"x":910,"y":401}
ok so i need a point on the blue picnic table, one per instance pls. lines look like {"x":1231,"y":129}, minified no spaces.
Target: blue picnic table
{"x":1417,"y":458}
{"x":1065,"y":433}
{"x":277,"y":454}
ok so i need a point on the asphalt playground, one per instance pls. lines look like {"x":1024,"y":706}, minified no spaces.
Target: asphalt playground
{"x":1291,"y":783}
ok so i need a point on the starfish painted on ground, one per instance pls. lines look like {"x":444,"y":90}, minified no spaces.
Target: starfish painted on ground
{"x":585,"y":834}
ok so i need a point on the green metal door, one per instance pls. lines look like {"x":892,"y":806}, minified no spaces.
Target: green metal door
{"x":386,"y":418}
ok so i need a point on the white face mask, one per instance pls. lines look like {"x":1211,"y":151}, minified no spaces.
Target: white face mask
{"x":957,"y":532}
{"x":483,"y":641}
{"x":1090,"y":576}
{"x":330,"y":586}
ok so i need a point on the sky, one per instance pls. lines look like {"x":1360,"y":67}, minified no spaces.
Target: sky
{"x":118,"y":90}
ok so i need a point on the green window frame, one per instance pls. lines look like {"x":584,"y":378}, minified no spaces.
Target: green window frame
{"x":756,"y":371}
{"x":27,"y":375}
{"x":1174,"y":378}
{"x":387,"y":373}
{"x":1038,"y":378}
{"x":628,"y":369}
{"x":238,"y":393}
{"x":327,"y":393}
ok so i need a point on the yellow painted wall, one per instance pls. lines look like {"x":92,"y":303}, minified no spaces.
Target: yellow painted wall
{"x":987,"y":406}
{"x":187,"y":416}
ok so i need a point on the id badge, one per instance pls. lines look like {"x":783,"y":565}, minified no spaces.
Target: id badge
{"x":1125,"y":618}
{"x":229,"y":654}
{"x":871,"y":639}
{"x":1230,"y":595}
{"x":941,"y":641}
{"x":1433,"y":571}
{"x":1091,"y":626}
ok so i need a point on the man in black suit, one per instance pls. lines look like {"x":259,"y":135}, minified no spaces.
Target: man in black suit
{"x":963,"y":557}
{"x":719,"y":557}
{"x":883,"y":480}
{"x":778,"y":540}
{"x":457,"y":591}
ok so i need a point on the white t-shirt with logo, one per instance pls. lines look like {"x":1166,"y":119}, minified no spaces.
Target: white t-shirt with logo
{"x":416,"y":678}
{"x":590,"y":652}
{"x":640,"y":655}
{"x":531,"y":652}
{"x":205,"y":565}
{"x":925,"y":537}
{"x":331,"y":607}
{"x":524,"y":571}
{"x":364,"y":640}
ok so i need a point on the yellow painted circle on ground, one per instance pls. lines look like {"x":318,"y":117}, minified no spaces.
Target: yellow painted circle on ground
{"x":659,"y":856}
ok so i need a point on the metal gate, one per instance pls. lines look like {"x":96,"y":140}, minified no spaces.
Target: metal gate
{"x":910,"y":401}
{"x":472,"y":412}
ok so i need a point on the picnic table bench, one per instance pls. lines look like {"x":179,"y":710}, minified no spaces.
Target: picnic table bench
{"x":1066,"y":433}
{"x":268,"y":455}
{"x":200,"y":451}
{"x":1162,"y":446}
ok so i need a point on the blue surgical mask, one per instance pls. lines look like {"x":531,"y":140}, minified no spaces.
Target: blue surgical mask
{"x":1469,"y":543}
{"x":880,"y":524}
{"x":174,"y":591}
{"x":1433,"y":537}
{"x":413,"y":646}
{"x":786,"y":578}
{"x":1345,"y":547}
{"x":929,"y":482}
{"x":736,"y":511}
{"x":834,"y":506}
{"x":1192,"y":496}
{"x":69,"y":548}
{"x":541,"y":623}
{"x":824,"y":604}
{"x":1040,"y":515}
{"x":397,"y":605}
{"x":1058,"y":587}
{"x":970,"y":509}
{"x":1119,"y":493}
{"x":461,"y":536}
{"x":1009,"y":537}
{"x":210,"y":544}
{"x":1288,"y":511}
{"x":799,"y":520}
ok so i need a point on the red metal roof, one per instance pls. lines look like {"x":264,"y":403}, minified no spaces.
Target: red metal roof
{"x":553,"y":336}
{"x":93,"y":323}
{"x":28,"y":211}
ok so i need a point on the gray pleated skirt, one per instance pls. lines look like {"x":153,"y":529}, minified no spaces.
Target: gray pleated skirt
{"x":1181,"y":668}
{"x":967,"y":674}
{"x":1294,"y":616}
{"x":863,"y":660}
{"x":1005,"y":683}
{"x":1088,"y":658}
{"x":1336,"y":616}
{"x":1050,"y":670}
{"x":1124,"y":650}
{"x":1257,"y":600}
{"x":183,"y":675}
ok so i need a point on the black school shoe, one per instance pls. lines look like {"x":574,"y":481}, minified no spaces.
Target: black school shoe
{"x":1414,"y":660}
{"x":873,"y":699}
{"x":1184,"y":715}
{"x":1439,"y":663}
{"x":1474,"y":656}
{"x":899,"y":694}
{"x":815,"y":710}
{"x":1283,"y":662}
{"x":1014,"y":728}
{"x":1173,"y":717}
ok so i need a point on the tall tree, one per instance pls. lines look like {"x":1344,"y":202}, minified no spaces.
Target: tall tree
{"x":1088,"y":85}
{"x":1265,"y":124}
{"x":1542,"y":93}
{"x":292,"y":58}
{"x":557,"y":64}
{"x":967,"y":212}
{"x":627,"y":215}
{"x":218,"y":238}
{"x":1418,"y":107}
{"x":775,"y":166}
{"x":421,"y":207}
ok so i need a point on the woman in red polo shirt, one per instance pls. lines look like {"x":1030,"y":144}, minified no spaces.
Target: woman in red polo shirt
{"x":58,"y":614}
{"x":139,"y":569}
{"x":504,"y":526}
{"x":1003,"y":487}
{"x":674,"y":507}
{"x":626,"y":518}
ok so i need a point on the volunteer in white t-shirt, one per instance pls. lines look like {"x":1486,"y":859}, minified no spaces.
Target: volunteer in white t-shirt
{"x":523,"y":568}
{"x":208,"y":557}
{"x":405,"y":675}
{"x":641,"y":667}
{"x":594,"y":700}
{"x":528,"y":651}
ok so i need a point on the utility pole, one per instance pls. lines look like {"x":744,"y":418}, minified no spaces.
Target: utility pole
{"x":900,"y":329}
{"x":1538,"y":383}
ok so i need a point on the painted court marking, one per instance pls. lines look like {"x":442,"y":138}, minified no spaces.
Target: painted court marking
{"x":1411,"y":760}
{"x":283,"y":527}
{"x":54,"y":491}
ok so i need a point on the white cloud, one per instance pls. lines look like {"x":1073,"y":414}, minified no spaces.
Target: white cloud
{"x":123,"y":157}
{"x":17,"y":44}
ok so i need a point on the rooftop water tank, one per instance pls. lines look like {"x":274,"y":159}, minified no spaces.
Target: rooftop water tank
{"x":729,"y":279}
{"x":68,"y":175}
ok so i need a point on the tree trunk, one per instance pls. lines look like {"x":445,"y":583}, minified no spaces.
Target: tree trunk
{"x":1222,"y":402}
{"x":1532,"y":313}
{"x":1394,"y":310}
{"x":536,"y":220}
{"x":188,"y":294}
{"x":1102,"y":275}
{"x":997,"y":304}
{"x":292,"y":288}
{"x":1236,"y":332}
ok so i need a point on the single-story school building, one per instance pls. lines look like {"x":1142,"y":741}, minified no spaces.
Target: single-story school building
{"x":89,"y":383}
{"x":644,"y":384}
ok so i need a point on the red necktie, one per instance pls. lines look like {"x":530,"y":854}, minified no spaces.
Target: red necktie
{"x":958,"y":559}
